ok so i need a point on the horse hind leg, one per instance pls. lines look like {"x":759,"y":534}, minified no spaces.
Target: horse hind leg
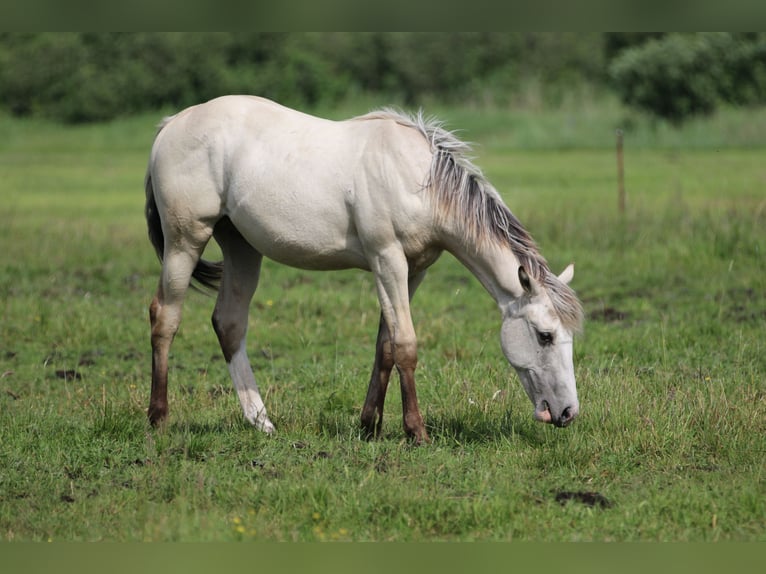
{"x":165,"y":317}
{"x":241,"y":271}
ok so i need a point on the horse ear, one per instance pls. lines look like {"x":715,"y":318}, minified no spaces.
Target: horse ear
{"x":567,"y":274}
{"x":526,"y":282}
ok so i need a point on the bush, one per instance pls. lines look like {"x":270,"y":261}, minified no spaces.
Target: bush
{"x":79,"y":77}
{"x":679,"y":76}
{"x":92,"y":77}
{"x":97,"y":76}
{"x":37,"y":70}
{"x":744,"y":59}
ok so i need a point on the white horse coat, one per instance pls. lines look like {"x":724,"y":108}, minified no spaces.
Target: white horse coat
{"x":383,"y":192}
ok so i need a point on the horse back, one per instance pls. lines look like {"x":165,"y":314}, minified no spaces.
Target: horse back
{"x":303,"y":190}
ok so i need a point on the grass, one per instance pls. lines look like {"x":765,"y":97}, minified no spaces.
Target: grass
{"x":670,"y":369}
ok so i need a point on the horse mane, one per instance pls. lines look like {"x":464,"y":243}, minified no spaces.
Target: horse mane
{"x":465,"y":196}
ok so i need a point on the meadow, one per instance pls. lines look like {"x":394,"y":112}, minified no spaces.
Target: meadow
{"x":671,"y":367}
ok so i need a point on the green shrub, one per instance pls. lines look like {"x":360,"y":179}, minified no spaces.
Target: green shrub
{"x":682,"y":75}
{"x":37,"y":70}
{"x":80,"y":77}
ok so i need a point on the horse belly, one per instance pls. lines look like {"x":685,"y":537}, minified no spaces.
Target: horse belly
{"x":299,"y":238}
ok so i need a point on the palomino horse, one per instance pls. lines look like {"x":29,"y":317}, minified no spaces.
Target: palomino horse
{"x":383,"y":192}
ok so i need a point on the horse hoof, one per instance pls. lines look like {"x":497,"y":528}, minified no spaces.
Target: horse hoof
{"x":157,"y":416}
{"x":419,"y":438}
{"x":265,"y":426}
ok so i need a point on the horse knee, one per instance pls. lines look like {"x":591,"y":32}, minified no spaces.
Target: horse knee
{"x":406,"y":354}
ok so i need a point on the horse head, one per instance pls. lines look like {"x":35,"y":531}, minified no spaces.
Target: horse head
{"x":539,"y":346}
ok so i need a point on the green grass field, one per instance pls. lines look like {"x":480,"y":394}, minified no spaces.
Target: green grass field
{"x":670,"y":444}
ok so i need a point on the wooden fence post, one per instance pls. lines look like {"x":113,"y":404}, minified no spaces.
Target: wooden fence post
{"x":620,"y":175}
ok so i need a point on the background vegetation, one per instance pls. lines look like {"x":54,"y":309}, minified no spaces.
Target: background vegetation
{"x":671,"y":441}
{"x":80,"y":77}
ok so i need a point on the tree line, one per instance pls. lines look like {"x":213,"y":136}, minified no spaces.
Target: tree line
{"x":85,"y":77}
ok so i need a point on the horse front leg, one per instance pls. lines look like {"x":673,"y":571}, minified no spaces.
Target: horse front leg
{"x":402,"y":352}
{"x":406,"y":358}
{"x":372,"y":412}
{"x":394,"y":285}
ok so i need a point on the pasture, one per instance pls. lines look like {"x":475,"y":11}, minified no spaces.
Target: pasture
{"x":671,"y":368}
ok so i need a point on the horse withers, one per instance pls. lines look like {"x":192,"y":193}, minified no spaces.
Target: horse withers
{"x":384,"y":192}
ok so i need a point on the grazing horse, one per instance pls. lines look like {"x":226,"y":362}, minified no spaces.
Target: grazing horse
{"x":384,"y":192}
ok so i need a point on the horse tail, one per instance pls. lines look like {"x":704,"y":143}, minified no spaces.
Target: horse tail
{"x":207,"y":273}
{"x":153,"y":221}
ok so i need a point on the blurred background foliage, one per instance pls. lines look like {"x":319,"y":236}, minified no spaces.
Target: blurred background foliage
{"x":88,"y":77}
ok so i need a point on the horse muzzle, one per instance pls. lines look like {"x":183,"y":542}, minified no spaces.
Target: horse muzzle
{"x":564,"y":418}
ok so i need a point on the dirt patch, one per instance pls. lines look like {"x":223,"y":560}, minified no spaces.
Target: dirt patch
{"x":608,"y":315}
{"x":742,"y":304}
{"x":68,"y":375}
{"x":587,"y":498}
{"x":89,"y":358}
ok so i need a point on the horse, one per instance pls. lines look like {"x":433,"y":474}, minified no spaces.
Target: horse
{"x":386,"y":192}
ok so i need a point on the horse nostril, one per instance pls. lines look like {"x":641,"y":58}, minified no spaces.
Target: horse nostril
{"x":567,"y":416}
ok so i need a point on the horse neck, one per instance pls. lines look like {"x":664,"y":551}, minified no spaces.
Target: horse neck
{"x":494,"y":265}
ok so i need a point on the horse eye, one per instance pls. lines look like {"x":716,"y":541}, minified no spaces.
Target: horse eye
{"x":545,"y":338}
